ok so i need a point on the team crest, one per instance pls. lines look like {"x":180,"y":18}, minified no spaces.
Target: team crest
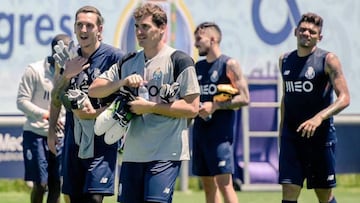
{"x":214,"y":76}
{"x":310,"y":73}
{"x":28,"y":154}
{"x":157,"y":75}
{"x":96,"y":73}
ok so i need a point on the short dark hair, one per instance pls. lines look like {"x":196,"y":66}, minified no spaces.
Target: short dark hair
{"x":209,"y":25}
{"x":312,"y":18}
{"x":159,"y":16}
{"x":91,"y":9}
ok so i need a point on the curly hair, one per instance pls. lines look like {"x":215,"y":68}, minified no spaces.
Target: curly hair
{"x":159,"y":16}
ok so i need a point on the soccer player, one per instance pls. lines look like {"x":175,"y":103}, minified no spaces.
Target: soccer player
{"x":307,"y":136}
{"x":41,"y":166}
{"x":86,"y":178}
{"x":155,"y":143}
{"x":223,"y":89}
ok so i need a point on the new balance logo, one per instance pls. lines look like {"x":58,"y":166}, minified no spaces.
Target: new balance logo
{"x":331,"y":177}
{"x":287,"y":72}
{"x":166,"y":190}
{"x":222,"y":163}
{"x":104,"y":180}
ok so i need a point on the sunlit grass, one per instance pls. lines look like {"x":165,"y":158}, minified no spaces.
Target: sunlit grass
{"x":348,"y":191}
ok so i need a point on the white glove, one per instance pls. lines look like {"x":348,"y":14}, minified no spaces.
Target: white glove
{"x":168,"y":92}
{"x":77,"y":98}
{"x":115,"y":133}
{"x":104,"y":121}
{"x":114,"y":129}
{"x":64,"y":53}
{"x":115,"y":119}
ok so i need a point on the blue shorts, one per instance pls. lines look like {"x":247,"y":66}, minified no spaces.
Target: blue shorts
{"x":151,"y":181}
{"x":94,"y":175}
{"x":302,"y":159}
{"x":40,"y":163}
{"x":212,"y":159}
{"x":212,"y":147}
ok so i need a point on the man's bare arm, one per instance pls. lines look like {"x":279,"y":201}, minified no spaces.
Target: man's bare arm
{"x":60,"y":84}
{"x":238,"y":80}
{"x":337,"y":79}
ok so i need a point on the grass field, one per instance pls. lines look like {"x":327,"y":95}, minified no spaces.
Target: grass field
{"x":343,"y":195}
{"x":348,"y":191}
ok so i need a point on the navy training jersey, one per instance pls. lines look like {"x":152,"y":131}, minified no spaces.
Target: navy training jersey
{"x":307,"y":88}
{"x":101,"y":60}
{"x":209,"y":76}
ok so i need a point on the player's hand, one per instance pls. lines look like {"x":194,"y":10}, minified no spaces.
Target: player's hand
{"x":140,"y":106}
{"x":46,"y":115}
{"x":308,"y":127}
{"x":86,"y":112}
{"x":64,"y":53}
{"x":206,"y":109}
{"x":133,"y":80}
{"x":52,"y":141}
{"x":75,"y":66}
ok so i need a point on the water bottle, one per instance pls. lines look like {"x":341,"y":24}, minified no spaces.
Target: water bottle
{"x":143,"y":92}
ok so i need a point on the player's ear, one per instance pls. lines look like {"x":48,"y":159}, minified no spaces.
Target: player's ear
{"x":295,"y":30}
{"x":320,"y":37}
{"x":212,"y":40}
{"x":100,"y":29}
{"x":162,"y":28}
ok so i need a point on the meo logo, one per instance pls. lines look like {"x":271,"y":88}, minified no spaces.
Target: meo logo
{"x":298,"y":86}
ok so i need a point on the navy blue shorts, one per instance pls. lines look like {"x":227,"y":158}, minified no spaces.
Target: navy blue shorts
{"x":39,"y":162}
{"x":94,"y":175}
{"x":150,"y":181}
{"x":210,"y":159}
{"x":302,"y":159}
{"x":212,"y":147}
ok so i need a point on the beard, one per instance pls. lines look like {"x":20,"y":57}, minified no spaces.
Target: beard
{"x":204,"y":52}
{"x":305,"y":43}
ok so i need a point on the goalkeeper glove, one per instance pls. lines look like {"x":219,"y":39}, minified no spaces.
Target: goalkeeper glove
{"x":64,"y":53}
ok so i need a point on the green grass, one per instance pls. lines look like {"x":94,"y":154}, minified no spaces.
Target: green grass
{"x":343,"y":195}
{"x":348,"y":191}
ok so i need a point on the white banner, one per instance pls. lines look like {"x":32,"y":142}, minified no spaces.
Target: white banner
{"x":255,"y":32}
